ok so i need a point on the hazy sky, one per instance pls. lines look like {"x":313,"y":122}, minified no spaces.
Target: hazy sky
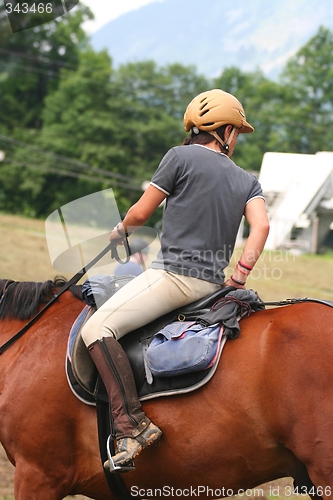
{"x":105,"y":10}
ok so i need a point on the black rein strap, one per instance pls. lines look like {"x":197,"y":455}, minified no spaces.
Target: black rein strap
{"x":288,"y":302}
{"x":114,"y":254}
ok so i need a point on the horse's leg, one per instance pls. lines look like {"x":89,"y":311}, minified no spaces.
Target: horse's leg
{"x":311,"y":440}
{"x":30,"y":483}
{"x":55,"y":469}
{"x":303,"y":483}
{"x":319,"y":466}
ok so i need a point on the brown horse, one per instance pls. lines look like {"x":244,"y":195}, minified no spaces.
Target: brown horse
{"x":267,"y":413}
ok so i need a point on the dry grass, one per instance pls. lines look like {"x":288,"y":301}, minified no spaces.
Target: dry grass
{"x":277,"y":275}
{"x":24,"y":257}
{"x":24,"y":253}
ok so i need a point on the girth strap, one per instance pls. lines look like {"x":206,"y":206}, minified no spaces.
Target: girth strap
{"x":115,"y":482}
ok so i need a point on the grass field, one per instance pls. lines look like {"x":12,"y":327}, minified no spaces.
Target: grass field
{"x":278,"y":275}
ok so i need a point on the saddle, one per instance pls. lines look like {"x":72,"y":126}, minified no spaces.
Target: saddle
{"x":84,"y":378}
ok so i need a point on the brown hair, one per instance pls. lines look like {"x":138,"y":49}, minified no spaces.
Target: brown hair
{"x":204,"y":137}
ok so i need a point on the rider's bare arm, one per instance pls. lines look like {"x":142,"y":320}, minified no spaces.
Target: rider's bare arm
{"x":256,"y":215}
{"x":140,"y":212}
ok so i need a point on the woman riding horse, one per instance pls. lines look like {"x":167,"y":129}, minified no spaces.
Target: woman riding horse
{"x":206,"y":196}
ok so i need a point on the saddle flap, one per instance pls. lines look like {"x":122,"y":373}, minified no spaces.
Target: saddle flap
{"x":83,"y":367}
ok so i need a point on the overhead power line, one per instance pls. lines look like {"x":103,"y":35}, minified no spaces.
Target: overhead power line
{"x":100,"y":175}
{"x":77,"y":163}
{"x":70,"y":173}
{"x":41,"y":58}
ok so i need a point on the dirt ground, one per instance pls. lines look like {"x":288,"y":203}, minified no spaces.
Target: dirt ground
{"x":6,"y":475}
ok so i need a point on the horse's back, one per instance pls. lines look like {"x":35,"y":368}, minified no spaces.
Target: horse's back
{"x":284,"y":354}
{"x":263,"y":408}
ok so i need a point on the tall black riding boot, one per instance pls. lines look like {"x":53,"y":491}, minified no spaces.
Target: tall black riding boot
{"x":134,"y":430}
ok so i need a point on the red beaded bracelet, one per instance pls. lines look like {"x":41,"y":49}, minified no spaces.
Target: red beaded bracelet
{"x":245,"y":266}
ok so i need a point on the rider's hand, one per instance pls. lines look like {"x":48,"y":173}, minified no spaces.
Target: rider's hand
{"x":118,"y":234}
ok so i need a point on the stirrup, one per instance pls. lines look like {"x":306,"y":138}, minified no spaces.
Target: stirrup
{"x":129,"y":466}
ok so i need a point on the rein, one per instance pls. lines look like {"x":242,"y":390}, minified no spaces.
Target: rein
{"x":288,"y":302}
{"x":114,"y":255}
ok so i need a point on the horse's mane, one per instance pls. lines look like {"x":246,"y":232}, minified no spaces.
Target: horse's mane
{"x":21,"y":299}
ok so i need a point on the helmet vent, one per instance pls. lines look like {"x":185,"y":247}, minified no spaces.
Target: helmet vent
{"x":204,"y":112}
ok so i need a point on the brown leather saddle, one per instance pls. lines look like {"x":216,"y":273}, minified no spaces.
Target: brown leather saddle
{"x":84,"y":378}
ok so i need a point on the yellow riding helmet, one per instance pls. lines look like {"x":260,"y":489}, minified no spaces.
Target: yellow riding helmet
{"x":214,"y":108}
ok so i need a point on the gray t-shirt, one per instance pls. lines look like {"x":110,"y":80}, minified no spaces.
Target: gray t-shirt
{"x":207,"y":195}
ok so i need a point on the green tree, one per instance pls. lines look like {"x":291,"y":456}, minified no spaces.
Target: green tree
{"x":151,"y":108}
{"x":30,"y":65}
{"x":74,"y":140}
{"x":308,"y":80}
{"x":74,"y":124}
{"x":263,"y":102}
{"x":121,"y":122}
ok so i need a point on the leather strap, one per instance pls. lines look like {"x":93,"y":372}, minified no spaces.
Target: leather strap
{"x":115,"y":482}
{"x":288,"y":302}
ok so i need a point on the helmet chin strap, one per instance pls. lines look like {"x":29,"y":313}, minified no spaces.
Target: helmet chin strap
{"x":224,"y":144}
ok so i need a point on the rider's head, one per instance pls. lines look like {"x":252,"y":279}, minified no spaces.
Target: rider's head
{"x":215,"y":113}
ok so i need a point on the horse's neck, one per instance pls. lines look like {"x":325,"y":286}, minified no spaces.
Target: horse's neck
{"x":59,"y":317}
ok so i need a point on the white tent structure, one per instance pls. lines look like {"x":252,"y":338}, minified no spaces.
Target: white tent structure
{"x":299,"y":195}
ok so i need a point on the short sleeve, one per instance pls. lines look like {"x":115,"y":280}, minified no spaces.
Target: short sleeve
{"x":256,"y":191}
{"x":167,"y":172}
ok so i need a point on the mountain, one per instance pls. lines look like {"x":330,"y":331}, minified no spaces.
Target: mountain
{"x":214,"y":34}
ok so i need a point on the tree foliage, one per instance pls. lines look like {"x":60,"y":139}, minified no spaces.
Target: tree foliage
{"x":263,"y":103}
{"x":308,"y":79}
{"x":72,"y":124}
{"x":31,"y":61}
